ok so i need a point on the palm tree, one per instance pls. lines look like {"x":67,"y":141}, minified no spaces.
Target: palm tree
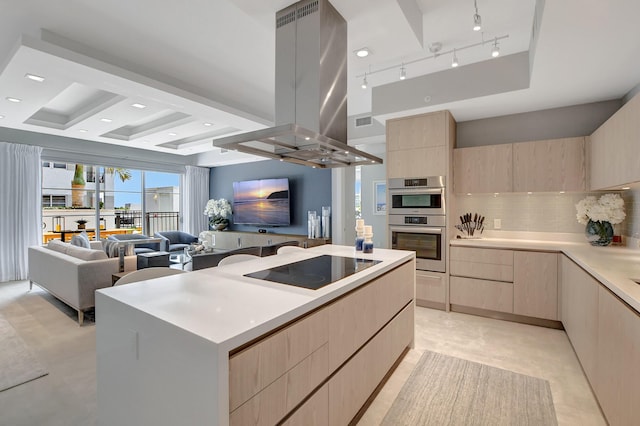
{"x":123,"y":174}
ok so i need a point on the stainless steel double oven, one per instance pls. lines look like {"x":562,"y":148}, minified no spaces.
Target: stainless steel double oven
{"x":417,"y":220}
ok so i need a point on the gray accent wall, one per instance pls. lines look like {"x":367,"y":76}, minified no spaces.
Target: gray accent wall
{"x":566,"y":122}
{"x":309,"y":189}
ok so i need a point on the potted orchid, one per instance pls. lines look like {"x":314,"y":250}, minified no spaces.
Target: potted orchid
{"x":218,"y":212}
{"x":598,"y":215}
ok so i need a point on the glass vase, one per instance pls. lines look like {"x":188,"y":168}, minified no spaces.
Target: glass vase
{"x":599,"y":233}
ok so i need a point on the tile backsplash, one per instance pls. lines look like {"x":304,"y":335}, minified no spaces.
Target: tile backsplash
{"x":543,"y":212}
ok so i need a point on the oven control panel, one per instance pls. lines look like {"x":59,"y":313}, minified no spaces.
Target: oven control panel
{"x":430,"y":220}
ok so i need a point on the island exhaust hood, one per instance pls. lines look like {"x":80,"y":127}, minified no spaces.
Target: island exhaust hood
{"x":311,"y":93}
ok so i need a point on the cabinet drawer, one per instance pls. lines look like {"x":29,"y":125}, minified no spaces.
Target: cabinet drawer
{"x":314,"y":412}
{"x":430,"y":287}
{"x":259,"y":365}
{"x":483,"y":294}
{"x":357,"y":379}
{"x":482,"y":263}
{"x":351,"y":326}
{"x":272,"y":403}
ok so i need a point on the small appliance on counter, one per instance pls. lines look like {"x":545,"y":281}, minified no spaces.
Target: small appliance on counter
{"x":471,"y":225}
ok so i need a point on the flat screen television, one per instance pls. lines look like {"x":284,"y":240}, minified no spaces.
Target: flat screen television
{"x":261,"y":202}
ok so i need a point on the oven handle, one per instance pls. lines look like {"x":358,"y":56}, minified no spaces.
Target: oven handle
{"x":416,"y":191}
{"x":416,"y":230}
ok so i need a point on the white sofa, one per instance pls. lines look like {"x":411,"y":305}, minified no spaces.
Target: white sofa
{"x":73,"y":274}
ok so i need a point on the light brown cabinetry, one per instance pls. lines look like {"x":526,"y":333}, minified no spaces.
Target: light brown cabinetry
{"x":549,"y":165}
{"x":431,"y":289}
{"x":617,"y":382}
{"x":535,"y":284}
{"x":536,"y":166}
{"x":353,"y":383}
{"x":272,"y":376}
{"x":614,"y":148}
{"x":579,"y":313}
{"x":510,"y":281}
{"x":419,"y":145}
{"x":483,"y":169}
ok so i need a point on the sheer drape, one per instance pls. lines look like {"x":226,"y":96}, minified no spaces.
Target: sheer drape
{"x":20,"y":207}
{"x":195,"y":197}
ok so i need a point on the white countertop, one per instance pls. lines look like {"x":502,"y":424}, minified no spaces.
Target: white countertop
{"x":222,"y":306}
{"x":613,"y":266}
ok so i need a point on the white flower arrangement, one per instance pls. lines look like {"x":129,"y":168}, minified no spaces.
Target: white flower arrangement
{"x":218,"y":209}
{"x":609,"y":208}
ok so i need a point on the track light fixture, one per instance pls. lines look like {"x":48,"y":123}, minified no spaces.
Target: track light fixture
{"x":495,"y":52}
{"x":477,"y":20}
{"x":435,"y":53}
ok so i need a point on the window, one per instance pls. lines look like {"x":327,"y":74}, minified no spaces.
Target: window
{"x":75,"y":192}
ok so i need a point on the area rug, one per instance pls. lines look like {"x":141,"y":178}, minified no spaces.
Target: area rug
{"x":18,"y":363}
{"x":444,"y":390}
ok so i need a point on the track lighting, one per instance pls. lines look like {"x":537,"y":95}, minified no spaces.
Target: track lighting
{"x":364,"y":81}
{"x":403,"y":73}
{"x":495,"y":52}
{"x":477,"y":20}
{"x":454,"y":61}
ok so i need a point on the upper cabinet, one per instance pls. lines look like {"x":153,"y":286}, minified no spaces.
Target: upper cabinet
{"x":614,"y":148}
{"x":419,"y":145}
{"x":483,"y":169}
{"x":549,"y":165}
{"x":537,"y":166}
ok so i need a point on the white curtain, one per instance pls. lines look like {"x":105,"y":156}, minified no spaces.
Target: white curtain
{"x":194,"y":199}
{"x":20,"y":207}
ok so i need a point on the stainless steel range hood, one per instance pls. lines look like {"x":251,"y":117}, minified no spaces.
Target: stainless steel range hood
{"x":311,"y":93}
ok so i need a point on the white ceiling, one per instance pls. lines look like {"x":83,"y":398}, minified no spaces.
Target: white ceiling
{"x":201,"y":62}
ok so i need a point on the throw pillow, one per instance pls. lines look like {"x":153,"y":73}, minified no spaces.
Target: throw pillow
{"x":85,"y":237}
{"x":78,"y":241}
{"x":110,"y":248}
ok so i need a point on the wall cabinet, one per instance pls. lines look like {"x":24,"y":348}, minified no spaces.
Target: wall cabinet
{"x":540,"y":166}
{"x":614,"y":148}
{"x":516,"y":282}
{"x":419,"y":145}
{"x":549,"y":165}
{"x":483,"y":169}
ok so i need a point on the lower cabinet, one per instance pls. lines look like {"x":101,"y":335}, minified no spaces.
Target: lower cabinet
{"x":617,"y":381}
{"x":605,"y":334}
{"x":344,"y":349}
{"x":535,"y":284}
{"x":510,"y":281}
{"x":431,"y":289}
{"x":579,"y":317}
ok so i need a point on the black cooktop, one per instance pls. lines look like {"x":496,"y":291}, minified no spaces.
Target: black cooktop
{"x":314,"y":273}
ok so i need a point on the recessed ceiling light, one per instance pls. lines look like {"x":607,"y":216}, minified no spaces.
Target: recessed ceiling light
{"x":624,"y":188}
{"x":34,"y":77}
{"x":139,"y":106}
{"x":14,"y":100}
{"x":173,"y":134}
{"x":208,"y":124}
{"x":363,"y":52}
{"x":106,"y":120}
{"x":83,"y":130}
{"x":1,"y":117}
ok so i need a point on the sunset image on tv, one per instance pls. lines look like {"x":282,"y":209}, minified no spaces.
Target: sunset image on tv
{"x":261,"y":202}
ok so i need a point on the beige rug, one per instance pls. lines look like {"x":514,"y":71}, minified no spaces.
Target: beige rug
{"x":444,"y":390}
{"x":18,"y":363}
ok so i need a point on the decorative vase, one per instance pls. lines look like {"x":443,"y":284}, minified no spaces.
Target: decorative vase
{"x":221,"y":226}
{"x":217,"y":223}
{"x":599,"y":233}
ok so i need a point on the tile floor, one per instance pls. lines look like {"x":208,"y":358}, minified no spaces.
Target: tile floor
{"x":67,"y":396}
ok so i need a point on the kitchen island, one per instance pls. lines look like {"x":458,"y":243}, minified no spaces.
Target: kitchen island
{"x":216,"y":347}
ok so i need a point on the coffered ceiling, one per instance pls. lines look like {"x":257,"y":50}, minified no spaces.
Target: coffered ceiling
{"x":171,"y":76}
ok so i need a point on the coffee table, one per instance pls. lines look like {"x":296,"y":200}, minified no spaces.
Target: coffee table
{"x":179,"y":259}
